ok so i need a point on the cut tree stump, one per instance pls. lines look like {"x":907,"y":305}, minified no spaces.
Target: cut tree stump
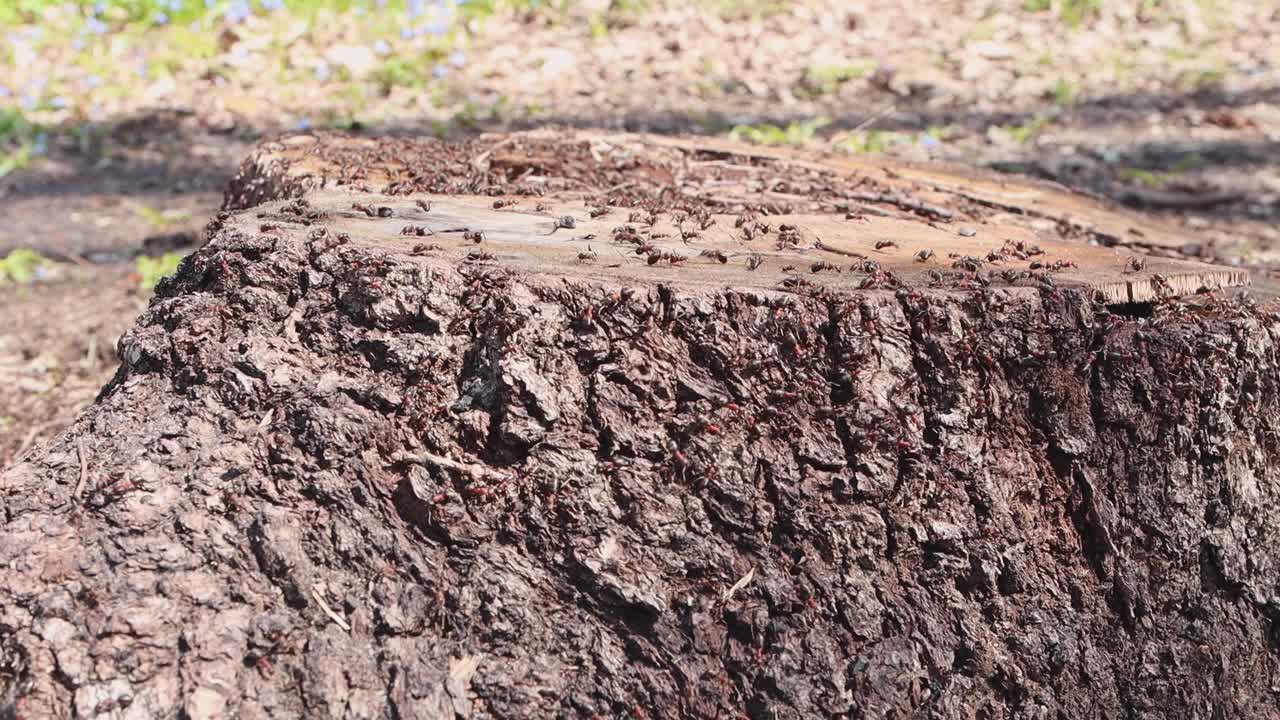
{"x":361,"y":461}
{"x":713,"y":172}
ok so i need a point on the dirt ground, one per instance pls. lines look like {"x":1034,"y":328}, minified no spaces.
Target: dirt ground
{"x":1178,"y":115}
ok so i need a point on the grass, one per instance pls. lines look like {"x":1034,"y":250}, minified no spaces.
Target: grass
{"x":159,"y":220}
{"x":822,"y":80}
{"x":881,"y":141}
{"x":1155,"y":179}
{"x":78,"y":56}
{"x":152,"y":269}
{"x":1064,"y":92}
{"x":797,"y":133}
{"x":20,"y":140}
{"x":1145,"y":178}
{"x":1073,"y":13}
{"x":1025,"y":131}
{"x":871,"y":141}
{"x":20,"y":266}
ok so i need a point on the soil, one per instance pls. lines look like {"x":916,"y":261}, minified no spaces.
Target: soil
{"x":341,"y":473}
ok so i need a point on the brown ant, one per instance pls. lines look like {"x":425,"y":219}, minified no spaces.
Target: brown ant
{"x":474,"y":236}
{"x":499,"y":204}
{"x":423,"y":248}
{"x":1134,"y":264}
{"x":670,"y":257}
{"x":821,"y":266}
{"x":924,"y":255}
{"x":787,"y":235}
{"x":419,"y":230}
{"x":882,"y":244}
{"x":716,"y":255}
{"x":588,"y":255}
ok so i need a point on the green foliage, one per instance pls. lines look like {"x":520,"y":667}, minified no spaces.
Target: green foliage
{"x":826,"y":79}
{"x":1072,"y":12}
{"x":1187,"y":162}
{"x":871,"y":141}
{"x":17,"y":140}
{"x":1064,"y":92}
{"x":1153,"y":179}
{"x":797,"y":133}
{"x":20,"y":265}
{"x":756,"y":9}
{"x":152,"y":269}
{"x":161,"y":219}
{"x":1024,"y":132}
{"x":1146,"y":178}
{"x":398,"y":72}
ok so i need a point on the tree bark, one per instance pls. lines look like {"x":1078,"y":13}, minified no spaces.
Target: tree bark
{"x":349,"y":472}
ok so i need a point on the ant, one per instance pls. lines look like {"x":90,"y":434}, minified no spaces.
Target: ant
{"x":419,"y":230}
{"x":1134,"y":264}
{"x":882,"y":244}
{"x":716,"y":255}
{"x":924,"y":255}
{"x":474,"y":236}
{"x":821,"y":266}
{"x":424,"y":205}
{"x":499,"y":204}
{"x":587,"y":256}
{"x":670,"y":257}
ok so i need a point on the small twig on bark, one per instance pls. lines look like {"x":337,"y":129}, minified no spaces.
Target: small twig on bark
{"x":918,"y":207}
{"x":481,"y":162}
{"x":474,"y":471}
{"x":872,"y":120}
{"x":728,"y":594}
{"x":324,"y":606}
{"x":84,"y":470}
{"x":847,"y":253}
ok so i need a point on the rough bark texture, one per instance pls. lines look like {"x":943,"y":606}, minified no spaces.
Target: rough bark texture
{"x":337,"y":479}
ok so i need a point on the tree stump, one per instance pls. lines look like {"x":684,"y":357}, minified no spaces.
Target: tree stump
{"x":573,"y":426}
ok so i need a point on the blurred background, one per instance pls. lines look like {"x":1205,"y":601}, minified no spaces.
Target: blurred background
{"x":122,"y":120}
